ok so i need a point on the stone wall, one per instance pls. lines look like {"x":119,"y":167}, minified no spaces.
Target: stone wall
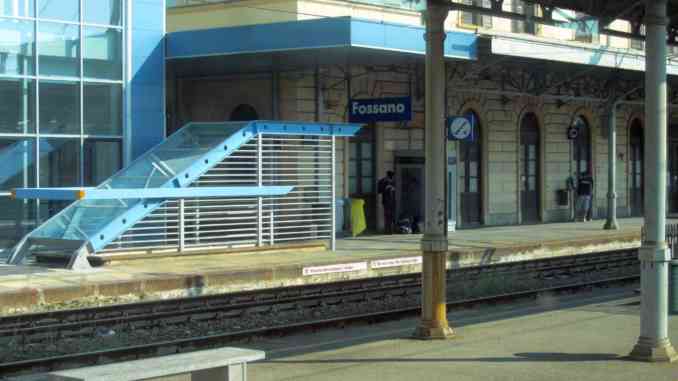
{"x":322,"y":95}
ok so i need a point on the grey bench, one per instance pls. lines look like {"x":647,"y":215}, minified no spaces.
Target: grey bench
{"x":223,"y":364}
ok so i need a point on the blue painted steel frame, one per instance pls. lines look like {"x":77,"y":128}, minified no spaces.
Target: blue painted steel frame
{"x":231,"y":143}
{"x":147,"y":193}
{"x":324,"y":33}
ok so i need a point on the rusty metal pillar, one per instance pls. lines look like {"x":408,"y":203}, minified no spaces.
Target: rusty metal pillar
{"x":433,"y":324}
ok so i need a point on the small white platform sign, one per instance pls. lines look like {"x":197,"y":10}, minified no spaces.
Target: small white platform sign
{"x":339,"y":268}
{"x":395,"y":262}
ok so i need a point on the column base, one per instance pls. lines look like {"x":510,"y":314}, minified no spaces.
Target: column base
{"x":427,"y":332}
{"x":650,"y":351}
{"x":611,"y":225}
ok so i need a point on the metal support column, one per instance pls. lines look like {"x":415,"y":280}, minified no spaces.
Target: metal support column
{"x":433,"y":324}
{"x":182,"y":225}
{"x":333,"y":202}
{"x":260,"y":182}
{"x":653,"y":344}
{"x":611,"y":223}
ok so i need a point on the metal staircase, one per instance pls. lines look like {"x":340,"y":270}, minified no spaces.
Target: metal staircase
{"x":89,"y":225}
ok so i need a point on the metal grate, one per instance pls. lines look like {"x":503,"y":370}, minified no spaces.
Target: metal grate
{"x":306,"y":213}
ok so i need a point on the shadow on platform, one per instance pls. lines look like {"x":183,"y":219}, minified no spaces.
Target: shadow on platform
{"x":519,"y":357}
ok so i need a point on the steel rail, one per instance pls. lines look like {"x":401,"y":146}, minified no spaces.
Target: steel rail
{"x":209,"y":341}
{"x":54,"y":320}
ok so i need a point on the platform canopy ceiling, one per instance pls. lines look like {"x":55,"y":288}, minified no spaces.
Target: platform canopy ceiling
{"x":604,"y":10}
{"x":609,"y":10}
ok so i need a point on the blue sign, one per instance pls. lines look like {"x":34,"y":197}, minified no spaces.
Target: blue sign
{"x":380,"y":110}
{"x":460,"y":128}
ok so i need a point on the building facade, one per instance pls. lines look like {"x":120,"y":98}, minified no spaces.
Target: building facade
{"x":526,"y":86}
{"x":81,"y":93}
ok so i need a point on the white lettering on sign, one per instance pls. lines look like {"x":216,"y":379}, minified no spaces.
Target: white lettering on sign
{"x":340,"y":268}
{"x":395,"y":262}
{"x":391,"y":108}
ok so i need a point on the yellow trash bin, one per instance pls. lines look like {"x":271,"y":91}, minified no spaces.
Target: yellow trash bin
{"x":358,"y":224}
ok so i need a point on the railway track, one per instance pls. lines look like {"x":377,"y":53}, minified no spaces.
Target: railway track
{"x":70,"y":338}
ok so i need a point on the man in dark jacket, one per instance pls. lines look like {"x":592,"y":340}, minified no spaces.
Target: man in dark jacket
{"x":584,"y":195}
{"x":386,"y":187}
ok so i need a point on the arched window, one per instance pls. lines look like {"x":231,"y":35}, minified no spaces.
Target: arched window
{"x":470,"y":176}
{"x":244,"y":113}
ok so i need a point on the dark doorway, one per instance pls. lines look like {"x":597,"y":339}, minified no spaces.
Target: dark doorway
{"x":244,"y":113}
{"x":529,"y":169}
{"x":470,"y":177}
{"x":582,"y":147}
{"x":636,"y":168}
{"x":673,"y":169}
{"x":362,"y":178}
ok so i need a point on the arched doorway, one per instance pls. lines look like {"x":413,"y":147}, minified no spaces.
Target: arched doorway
{"x":530,"y":179}
{"x":470,"y":176}
{"x":582,"y":155}
{"x":244,"y":113}
{"x":636,"y":168}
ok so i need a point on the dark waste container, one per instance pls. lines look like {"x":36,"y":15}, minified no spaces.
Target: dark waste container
{"x":562,"y":197}
{"x":673,"y":287}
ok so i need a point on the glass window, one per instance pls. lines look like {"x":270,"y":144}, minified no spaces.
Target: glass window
{"x":102,"y":159}
{"x":103,"y":53}
{"x":18,"y":158}
{"x":17,"y":109}
{"x":67,"y":10}
{"x":59,"y":46}
{"x":367,"y":185}
{"x":59,"y":162}
{"x":17,"y":8}
{"x":104,"y":12}
{"x":17,"y":47}
{"x":16,"y":220}
{"x":103,"y":109}
{"x":352,"y":185}
{"x":59,"y":167}
{"x":59,"y":107}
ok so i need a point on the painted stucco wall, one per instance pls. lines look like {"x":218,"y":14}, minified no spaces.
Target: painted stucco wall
{"x":500,"y":121}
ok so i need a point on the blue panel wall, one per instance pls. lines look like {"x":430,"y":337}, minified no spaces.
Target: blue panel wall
{"x":147,"y":82}
{"x":308,"y":34}
{"x":312,"y":34}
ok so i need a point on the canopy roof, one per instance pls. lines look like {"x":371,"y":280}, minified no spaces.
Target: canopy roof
{"x":606,"y":10}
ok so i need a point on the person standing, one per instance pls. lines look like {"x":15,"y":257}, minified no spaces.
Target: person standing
{"x":386,"y":187}
{"x":585,"y":195}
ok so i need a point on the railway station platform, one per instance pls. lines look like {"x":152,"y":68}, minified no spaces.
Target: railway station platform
{"x":575,"y":337}
{"x":125,"y":279}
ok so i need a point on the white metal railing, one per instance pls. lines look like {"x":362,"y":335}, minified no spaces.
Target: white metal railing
{"x":306,"y":213}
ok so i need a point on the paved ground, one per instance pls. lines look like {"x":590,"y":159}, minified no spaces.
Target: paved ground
{"x":582,"y":337}
{"x":29,"y":288}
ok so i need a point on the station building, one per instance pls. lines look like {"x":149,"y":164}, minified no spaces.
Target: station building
{"x":81,"y":95}
{"x":89,"y":85}
{"x":523,"y":83}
